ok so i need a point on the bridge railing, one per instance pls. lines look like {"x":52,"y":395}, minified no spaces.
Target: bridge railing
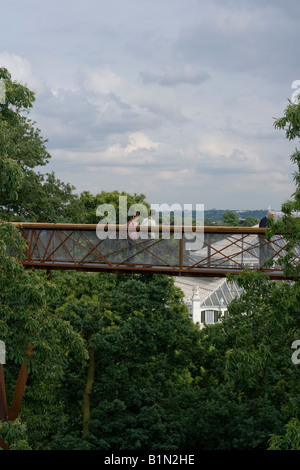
{"x":176,"y":250}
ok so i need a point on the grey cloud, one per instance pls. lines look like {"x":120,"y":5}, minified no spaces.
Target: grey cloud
{"x":78,"y":119}
{"x":174,"y":76}
{"x":191,"y":73}
{"x":243,"y":39}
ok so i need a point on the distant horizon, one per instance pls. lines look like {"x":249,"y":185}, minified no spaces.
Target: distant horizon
{"x":232,"y":210}
{"x":238,"y":210}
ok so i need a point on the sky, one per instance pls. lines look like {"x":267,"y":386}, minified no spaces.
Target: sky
{"x":173,"y":99}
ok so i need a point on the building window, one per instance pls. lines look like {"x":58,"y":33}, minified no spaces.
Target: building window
{"x":209,"y":316}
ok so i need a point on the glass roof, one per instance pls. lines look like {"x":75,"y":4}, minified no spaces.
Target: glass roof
{"x":223,"y":295}
{"x":212,"y":292}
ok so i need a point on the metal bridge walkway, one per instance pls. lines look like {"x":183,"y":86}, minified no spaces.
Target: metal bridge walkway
{"x":215,"y":252}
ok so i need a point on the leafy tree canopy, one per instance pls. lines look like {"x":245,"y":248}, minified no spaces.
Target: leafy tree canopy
{"x":230,"y":219}
{"x":26,"y":194}
{"x":90,"y":203}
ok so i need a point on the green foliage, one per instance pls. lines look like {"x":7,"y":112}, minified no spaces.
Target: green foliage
{"x":251,"y":386}
{"x":90,"y":203}
{"x":290,"y":440}
{"x":11,"y":177}
{"x":143,"y":342}
{"x":290,"y":121}
{"x":24,"y":312}
{"x":215,"y":216}
{"x":14,"y":433}
{"x":117,"y":364}
{"x":250,"y":222}
{"x":24,"y":193}
{"x":26,"y":320}
{"x":230,"y":219}
{"x":161,"y":383}
{"x":289,"y":224}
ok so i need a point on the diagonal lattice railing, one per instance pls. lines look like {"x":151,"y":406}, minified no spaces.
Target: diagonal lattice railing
{"x":216,"y":251}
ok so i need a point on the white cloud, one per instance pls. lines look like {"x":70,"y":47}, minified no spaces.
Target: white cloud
{"x":21,"y":70}
{"x":101,"y":80}
{"x":139,"y":150}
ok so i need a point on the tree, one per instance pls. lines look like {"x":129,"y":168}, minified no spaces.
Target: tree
{"x":290,"y":440}
{"x":90,"y":204}
{"x":140,"y":343}
{"x":247,"y":386}
{"x":230,"y":219}
{"x":250,"y":396}
{"x":37,"y":342}
{"x":251,"y":353}
{"x":250,"y":222}
{"x":289,"y":224}
{"x":35,"y":196}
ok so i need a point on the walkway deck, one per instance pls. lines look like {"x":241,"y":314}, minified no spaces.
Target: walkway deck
{"x":215,"y":252}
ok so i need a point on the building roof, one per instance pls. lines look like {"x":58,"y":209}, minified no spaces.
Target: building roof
{"x":213,"y":292}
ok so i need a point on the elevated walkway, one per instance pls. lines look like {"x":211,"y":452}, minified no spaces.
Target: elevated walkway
{"x":172,"y":250}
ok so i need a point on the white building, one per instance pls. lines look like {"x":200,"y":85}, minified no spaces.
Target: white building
{"x":207,"y":298}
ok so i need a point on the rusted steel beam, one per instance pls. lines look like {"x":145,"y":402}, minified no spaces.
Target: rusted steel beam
{"x":19,"y":391}
{"x":3,"y":405}
{"x":203,"y":272}
{"x":155,"y":228}
{"x":3,"y":401}
{"x":77,"y":247}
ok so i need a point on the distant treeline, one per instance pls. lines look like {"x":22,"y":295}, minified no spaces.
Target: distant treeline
{"x":216,"y":215}
{"x":219,"y":217}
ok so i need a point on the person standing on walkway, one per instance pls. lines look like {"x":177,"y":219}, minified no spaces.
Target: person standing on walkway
{"x":132,"y":236}
{"x":265,"y":250}
{"x":147,"y":222}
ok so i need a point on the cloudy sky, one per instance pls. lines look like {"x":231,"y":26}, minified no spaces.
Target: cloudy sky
{"x":174,"y":99}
